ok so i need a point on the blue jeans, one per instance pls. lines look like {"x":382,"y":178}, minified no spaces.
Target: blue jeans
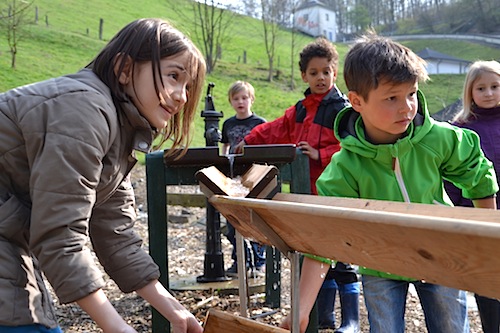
{"x":445,"y":309}
{"x":255,"y":256}
{"x":29,"y":329}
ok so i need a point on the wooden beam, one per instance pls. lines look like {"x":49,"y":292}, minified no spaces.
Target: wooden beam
{"x":451,"y":246}
{"x":186,"y":199}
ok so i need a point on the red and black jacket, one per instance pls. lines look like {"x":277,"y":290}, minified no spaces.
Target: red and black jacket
{"x":310,"y":120}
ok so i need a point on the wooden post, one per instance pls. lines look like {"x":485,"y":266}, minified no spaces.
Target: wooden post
{"x":101,"y":24}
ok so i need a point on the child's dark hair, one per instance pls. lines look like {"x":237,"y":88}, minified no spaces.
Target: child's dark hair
{"x":320,"y":48}
{"x":374,"y":59}
{"x":151,"y":40}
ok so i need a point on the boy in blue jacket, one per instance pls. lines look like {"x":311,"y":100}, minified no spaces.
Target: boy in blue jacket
{"x":392,"y":150}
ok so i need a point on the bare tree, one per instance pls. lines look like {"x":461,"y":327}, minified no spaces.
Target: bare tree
{"x":13,"y":20}
{"x":271,"y":15}
{"x":211,"y":26}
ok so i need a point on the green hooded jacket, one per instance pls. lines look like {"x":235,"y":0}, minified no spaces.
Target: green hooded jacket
{"x":410,"y":170}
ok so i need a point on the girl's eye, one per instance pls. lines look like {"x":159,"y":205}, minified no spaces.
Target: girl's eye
{"x":173,"y":75}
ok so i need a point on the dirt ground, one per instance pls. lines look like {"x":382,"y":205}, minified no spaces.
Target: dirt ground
{"x":187,"y":249}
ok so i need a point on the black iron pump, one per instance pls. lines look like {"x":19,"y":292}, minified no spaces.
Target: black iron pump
{"x":213,"y":269}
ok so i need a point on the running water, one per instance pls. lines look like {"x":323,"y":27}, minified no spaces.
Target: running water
{"x":230,"y":157}
{"x":234,"y":185}
{"x":235,"y":188}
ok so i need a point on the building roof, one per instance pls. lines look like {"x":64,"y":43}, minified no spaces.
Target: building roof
{"x":312,"y":3}
{"x":429,"y":54}
{"x":449,"y":112}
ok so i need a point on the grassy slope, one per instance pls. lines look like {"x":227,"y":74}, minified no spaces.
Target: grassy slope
{"x":64,"y":47}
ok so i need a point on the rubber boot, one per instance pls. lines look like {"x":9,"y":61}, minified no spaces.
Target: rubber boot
{"x":349,"y":302}
{"x":489,"y":311}
{"x":326,"y":304}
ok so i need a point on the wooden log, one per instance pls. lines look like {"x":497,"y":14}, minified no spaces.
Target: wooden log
{"x":221,"y":322}
{"x":451,"y":246}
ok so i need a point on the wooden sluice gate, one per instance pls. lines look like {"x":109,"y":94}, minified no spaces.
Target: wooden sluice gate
{"x":450,"y":246}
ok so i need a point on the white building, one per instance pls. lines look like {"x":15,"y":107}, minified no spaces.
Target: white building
{"x":316,"y":19}
{"x":440,"y":63}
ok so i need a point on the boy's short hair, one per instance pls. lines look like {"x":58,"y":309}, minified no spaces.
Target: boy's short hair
{"x":240,"y":86}
{"x":320,"y":48}
{"x":374,"y":59}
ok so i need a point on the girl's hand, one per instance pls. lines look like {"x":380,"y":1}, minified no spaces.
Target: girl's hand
{"x":188,"y":324}
{"x":308,"y":150}
{"x":287,"y":323}
{"x":181,"y":320}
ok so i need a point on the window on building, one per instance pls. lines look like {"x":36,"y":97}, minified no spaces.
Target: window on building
{"x":326,"y":17}
{"x":306,"y":17}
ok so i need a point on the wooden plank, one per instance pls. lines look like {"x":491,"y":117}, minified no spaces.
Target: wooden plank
{"x":453,"y":249}
{"x":464,"y":213}
{"x":221,"y":322}
{"x":186,"y":199}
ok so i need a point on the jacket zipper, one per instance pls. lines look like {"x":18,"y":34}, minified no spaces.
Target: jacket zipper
{"x":399,"y":177}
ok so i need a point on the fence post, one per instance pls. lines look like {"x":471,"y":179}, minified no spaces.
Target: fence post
{"x":101,"y":24}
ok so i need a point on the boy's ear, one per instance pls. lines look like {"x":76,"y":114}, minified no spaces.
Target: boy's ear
{"x":303,"y":75}
{"x":126,"y":74}
{"x":356,"y":100}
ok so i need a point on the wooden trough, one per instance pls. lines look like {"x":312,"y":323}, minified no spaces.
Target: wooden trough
{"x":219,"y":322}
{"x":259,"y":180}
{"x":451,"y":246}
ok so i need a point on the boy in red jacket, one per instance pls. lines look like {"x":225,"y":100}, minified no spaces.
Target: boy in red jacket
{"x":309,"y":125}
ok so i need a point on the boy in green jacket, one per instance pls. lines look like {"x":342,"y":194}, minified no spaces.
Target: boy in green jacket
{"x":393,"y":150}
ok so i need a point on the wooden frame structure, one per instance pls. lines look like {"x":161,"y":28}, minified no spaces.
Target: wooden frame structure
{"x":450,"y":246}
{"x":162,"y":171}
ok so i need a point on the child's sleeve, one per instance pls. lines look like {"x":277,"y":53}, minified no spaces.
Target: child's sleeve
{"x":337,"y":180}
{"x":278,"y":131}
{"x":468,"y":168}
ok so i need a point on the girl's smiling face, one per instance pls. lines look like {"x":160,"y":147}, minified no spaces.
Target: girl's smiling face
{"x":159,"y":108}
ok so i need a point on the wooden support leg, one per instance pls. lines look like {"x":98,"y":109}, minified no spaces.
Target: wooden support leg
{"x":242,"y":274}
{"x":294,"y":290}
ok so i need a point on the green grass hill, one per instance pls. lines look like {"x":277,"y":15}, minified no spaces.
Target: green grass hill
{"x":65,"y":38}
